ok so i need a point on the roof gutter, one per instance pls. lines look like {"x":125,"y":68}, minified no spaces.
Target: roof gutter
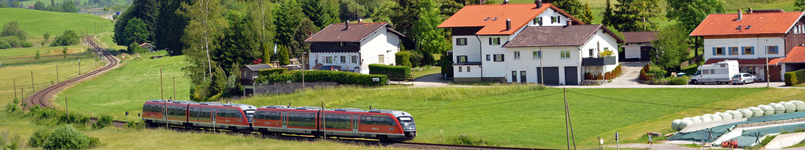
{"x":481,"y":53}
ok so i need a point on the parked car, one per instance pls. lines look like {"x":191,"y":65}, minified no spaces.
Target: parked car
{"x":681,"y":74}
{"x":743,"y":78}
{"x":332,"y":68}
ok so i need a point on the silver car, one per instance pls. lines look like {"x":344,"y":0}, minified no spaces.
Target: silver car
{"x":743,"y":78}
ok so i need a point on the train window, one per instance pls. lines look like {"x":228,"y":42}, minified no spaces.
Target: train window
{"x":205,"y":114}
{"x":235,"y":113}
{"x":221,"y":113}
{"x":193,"y":113}
{"x":337,"y":121}
{"x":301,"y":119}
{"x":275,"y":116}
{"x":367,"y":120}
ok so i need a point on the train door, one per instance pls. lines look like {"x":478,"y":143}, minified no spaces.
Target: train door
{"x":284,"y":121}
{"x":165,"y":113}
{"x":212,"y":116}
{"x":355,"y":119}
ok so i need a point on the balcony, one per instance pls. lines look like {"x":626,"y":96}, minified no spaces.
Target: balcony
{"x":598,"y":61}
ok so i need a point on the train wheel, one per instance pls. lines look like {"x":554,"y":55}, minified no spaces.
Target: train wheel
{"x":383,"y":138}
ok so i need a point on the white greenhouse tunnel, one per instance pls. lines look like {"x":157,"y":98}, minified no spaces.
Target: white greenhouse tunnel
{"x":760,"y":110}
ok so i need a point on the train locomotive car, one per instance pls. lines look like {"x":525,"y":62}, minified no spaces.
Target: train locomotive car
{"x":385,"y":125}
{"x":235,"y":117}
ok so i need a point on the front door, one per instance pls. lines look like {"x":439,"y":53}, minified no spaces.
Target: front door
{"x":355,"y":119}
{"x":514,"y":76}
{"x":284,"y":121}
{"x":522,"y":77}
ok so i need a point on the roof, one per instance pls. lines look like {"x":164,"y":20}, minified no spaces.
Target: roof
{"x":639,"y":37}
{"x":519,"y":14}
{"x":797,"y":55}
{"x":258,"y":67}
{"x":750,"y":24}
{"x":759,"y":61}
{"x":542,"y":36}
{"x":357,"y":32}
{"x":147,"y":44}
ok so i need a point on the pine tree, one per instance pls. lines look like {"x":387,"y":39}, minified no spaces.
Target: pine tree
{"x":286,"y":18}
{"x":586,"y":15}
{"x":607,"y":14}
{"x":800,"y":4}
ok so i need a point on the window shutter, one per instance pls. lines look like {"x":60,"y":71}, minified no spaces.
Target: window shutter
{"x":502,"y":57}
{"x":753,"y":49}
{"x":714,"y":51}
{"x":490,"y":41}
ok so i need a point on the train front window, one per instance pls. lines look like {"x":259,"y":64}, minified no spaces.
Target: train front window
{"x":407,"y":123}
{"x":249,"y":114}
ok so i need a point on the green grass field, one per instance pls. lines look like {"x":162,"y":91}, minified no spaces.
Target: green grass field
{"x":108,"y":42}
{"x":37,"y":23}
{"x":126,"y":88}
{"x":47,"y":2}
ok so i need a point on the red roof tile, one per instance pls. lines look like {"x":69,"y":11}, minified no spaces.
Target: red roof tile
{"x":797,"y":55}
{"x":758,"y":23}
{"x":519,"y":14}
{"x":760,"y":61}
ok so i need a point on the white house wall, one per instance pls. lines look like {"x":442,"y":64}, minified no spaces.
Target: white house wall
{"x":546,"y":18}
{"x":600,"y":41}
{"x":632,"y":51}
{"x":759,"y":43}
{"x":321,"y":57}
{"x":470,"y":50}
{"x":490,"y":69}
{"x":474,"y":71}
{"x":551,"y":56}
{"x":378,"y":43}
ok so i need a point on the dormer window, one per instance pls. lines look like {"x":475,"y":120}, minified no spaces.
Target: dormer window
{"x":554,"y":19}
{"x":537,"y":21}
{"x":487,"y":18}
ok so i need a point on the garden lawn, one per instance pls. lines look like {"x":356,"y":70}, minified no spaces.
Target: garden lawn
{"x":126,"y":88}
{"x":37,"y":23}
{"x":515,"y":115}
{"x":427,"y":70}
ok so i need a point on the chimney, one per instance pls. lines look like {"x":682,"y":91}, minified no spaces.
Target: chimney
{"x":508,"y":24}
{"x":539,"y":3}
{"x":750,"y":11}
{"x":346,"y":24}
{"x":740,"y":15}
{"x":360,"y":20}
{"x":505,"y":1}
{"x":569,"y":22}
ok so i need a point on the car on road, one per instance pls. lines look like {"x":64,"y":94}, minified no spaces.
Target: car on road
{"x":743,"y":78}
{"x":332,"y":68}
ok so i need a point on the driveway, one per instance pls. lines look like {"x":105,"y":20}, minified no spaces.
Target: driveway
{"x":630,"y":72}
{"x":433,"y":80}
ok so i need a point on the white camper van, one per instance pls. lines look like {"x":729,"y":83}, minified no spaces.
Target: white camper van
{"x":720,"y":72}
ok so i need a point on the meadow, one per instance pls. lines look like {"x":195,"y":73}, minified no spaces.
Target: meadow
{"x":37,"y":23}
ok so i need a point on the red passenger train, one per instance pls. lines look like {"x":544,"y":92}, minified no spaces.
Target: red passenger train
{"x":385,"y":125}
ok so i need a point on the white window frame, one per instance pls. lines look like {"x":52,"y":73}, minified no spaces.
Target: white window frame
{"x":517,"y":55}
{"x":381,"y":59}
{"x":354,"y":59}
{"x":565,"y":54}
{"x":461,"y":41}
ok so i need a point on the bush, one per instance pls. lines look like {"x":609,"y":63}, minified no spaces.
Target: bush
{"x":447,"y":65}
{"x":39,"y":137}
{"x":416,"y":59}
{"x":657,"y":72}
{"x":27,"y":44}
{"x":103,"y":121}
{"x":135,"y":125}
{"x":67,"y":137}
{"x":427,"y":59}
{"x":339,"y":77}
{"x":643,"y":75}
{"x":794,"y":77}
{"x":403,"y":58}
{"x":267,"y":72}
{"x":56,"y":116}
{"x":68,"y":38}
{"x":394,"y":71}
{"x":4,"y":44}
{"x":678,"y":81}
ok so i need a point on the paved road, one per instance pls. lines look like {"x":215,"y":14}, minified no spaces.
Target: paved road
{"x":785,"y":140}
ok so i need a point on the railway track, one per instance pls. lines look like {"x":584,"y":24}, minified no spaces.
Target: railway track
{"x":42,"y":97}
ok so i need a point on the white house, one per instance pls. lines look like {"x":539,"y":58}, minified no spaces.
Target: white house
{"x":756,"y":39}
{"x":637,"y":45}
{"x":354,"y":46}
{"x":517,"y":42}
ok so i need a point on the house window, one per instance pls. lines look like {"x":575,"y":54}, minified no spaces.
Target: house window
{"x":565,"y":54}
{"x":733,"y":50}
{"x":488,"y":57}
{"x":494,"y":41}
{"x":749,"y":50}
{"x":328,"y":59}
{"x":498,"y":57}
{"x":355,"y":59}
{"x":462,"y":58}
{"x":536,"y":54}
{"x":537,"y":21}
{"x":592,"y":53}
{"x":718,"y":50}
{"x":772,"y":50}
{"x":554,"y":19}
{"x":459,"y":68}
{"x":343,"y":59}
{"x":461,"y":41}
{"x":796,"y":29}
{"x":381,"y":59}
{"x":468,"y":68}
{"x":516,"y":54}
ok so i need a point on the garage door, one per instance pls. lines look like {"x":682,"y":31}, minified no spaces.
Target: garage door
{"x":645,"y":53}
{"x":571,"y":76}
{"x":551,"y":75}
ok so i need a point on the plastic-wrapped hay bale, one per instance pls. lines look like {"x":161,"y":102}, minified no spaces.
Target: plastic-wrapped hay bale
{"x":789,"y":107}
{"x":800,"y":105}
{"x":726,"y":116}
{"x":675,"y":124}
{"x":745,"y":112}
{"x":756,"y":111}
{"x":684,"y":123}
{"x":716,"y":117}
{"x":735,"y":114}
{"x":706,"y":118}
{"x":778,"y":109}
{"x":697,"y":119}
{"x":767,"y":110}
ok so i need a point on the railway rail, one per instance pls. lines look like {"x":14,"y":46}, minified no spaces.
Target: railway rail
{"x":42,"y":99}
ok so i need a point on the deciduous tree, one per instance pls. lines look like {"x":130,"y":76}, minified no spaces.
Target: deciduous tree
{"x":428,"y":37}
{"x":136,"y":31}
{"x":206,"y":23}
{"x":39,"y":5}
{"x":689,"y":13}
{"x":671,"y":47}
{"x":12,"y":28}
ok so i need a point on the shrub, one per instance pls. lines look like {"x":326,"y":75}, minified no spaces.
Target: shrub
{"x":27,"y":44}
{"x":135,"y":125}
{"x":103,"y":121}
{"x":678,"y":81}
{"x":403,"y":58}
{"x":794,"y":77}
{"x":4,"y":44}
{"x":267,"y":72}
{"x":67,"y":137}
{"x":68,"y":38}
{"x":447,"y":65}
{"x":416,"y":59}
{"x":39,"y":137}
{"x":393,"y":71}
{"x":339,"y":77}
{"x":657,"y":72}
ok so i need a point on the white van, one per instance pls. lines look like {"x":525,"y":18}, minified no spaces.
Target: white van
{"x":720,"y":72}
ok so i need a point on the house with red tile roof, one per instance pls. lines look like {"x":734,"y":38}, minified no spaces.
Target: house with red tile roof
{"x":493,"y":43}
{"x":353,"y":46}
{"x":755,"y":38}
{"x":637,"y":45}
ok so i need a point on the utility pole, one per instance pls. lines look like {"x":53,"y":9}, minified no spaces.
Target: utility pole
{"x":161,"y":91}
{"x":541,"y":77}
{"x":15,"y":88}
{"x":57,"y":74}
{"x":174,"y":86}
{"x":767,"y":63}
{"x":32,"y":81}
{"x":568,"y":123}
{"x":68,"y":108}
{"x":79,"y":66}
{"x":323,"y":122}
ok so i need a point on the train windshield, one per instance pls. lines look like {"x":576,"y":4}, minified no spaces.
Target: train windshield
{"x":407,"y":123}
{"x":249,"y":114}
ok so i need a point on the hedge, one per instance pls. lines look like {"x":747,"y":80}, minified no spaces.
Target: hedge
{"x":339,"y":77}
{"x":390,"y":70}
{"x":403,"y":58}
{"x":267,"y":72}
{"x":794,"y":77}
